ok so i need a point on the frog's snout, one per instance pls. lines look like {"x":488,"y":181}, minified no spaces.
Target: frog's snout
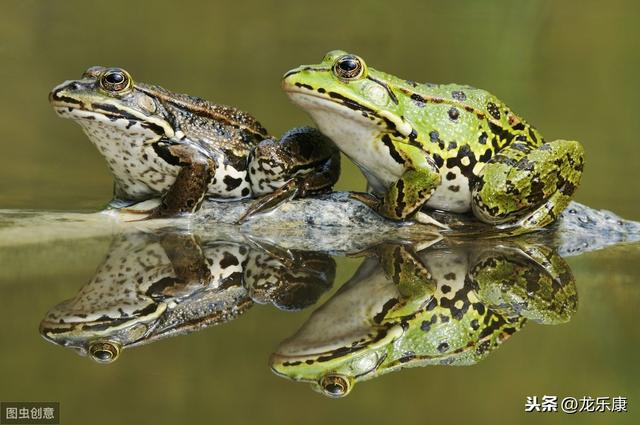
{"x":57,"y":94}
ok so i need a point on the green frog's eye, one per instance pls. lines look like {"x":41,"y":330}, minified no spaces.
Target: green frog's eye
{"x":335,"y":385}
{"x":348,"y":67}
{"x":115,"y":80}
{"x":104,"y":351}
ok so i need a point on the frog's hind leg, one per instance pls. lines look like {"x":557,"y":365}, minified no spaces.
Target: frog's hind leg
{"x":526,"y":187}
{"x":302,"y":163}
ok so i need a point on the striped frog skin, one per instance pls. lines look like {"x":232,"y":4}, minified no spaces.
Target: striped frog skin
{"x":450,"y":304}
{"x":448,"y":147}
{"x":184,"y":149}
{"x":151,"y":287}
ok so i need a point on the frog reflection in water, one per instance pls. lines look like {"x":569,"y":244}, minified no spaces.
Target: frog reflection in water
{"x":448,"y":147}
{"x":151,"y":287}
{"x":182,"y":148}
{"x":450,"y":304}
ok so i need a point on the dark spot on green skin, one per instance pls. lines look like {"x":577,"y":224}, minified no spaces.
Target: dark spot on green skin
{"x":450,"y":176}
{"x":493,"y":110}
{"x":455,"y":188}
{"x":474,"y":324}
{"x":518,"y":127}
{"x":483,"y":138}
{"x":321,"y":90}
{"x":450,"y":276}
{"x":452,"y":146}
{"x":434,"y":136}
{"x":419,"y":100}
{"x":443,"y":347}
{"x":426,"y":324}
{"x":458,"y":95}
{"x":445,"y":289}
{"x":305,"y":86}
{"x":454,"y":113}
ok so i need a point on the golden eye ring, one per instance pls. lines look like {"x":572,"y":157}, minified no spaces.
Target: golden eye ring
{"x":115,"y":80}
{"x":335,"y":386}
{"x":348,"y":67}
{"x":104,"y":351}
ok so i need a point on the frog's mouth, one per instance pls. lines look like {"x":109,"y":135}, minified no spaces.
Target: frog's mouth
{"x":300,"y":362}
{"x":68,"y":105}
{"x":311,"y":100}
{"x":299,"y":91}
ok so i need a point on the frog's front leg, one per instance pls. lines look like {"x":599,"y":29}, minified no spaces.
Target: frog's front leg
{"x":413,"y":279}
{"x":406,"y":196}
{"x":192,"y":182}
{"x":526,"y":187}
{"x":302,"y":163}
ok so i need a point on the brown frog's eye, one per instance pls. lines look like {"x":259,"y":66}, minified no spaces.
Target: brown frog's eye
{"x":104,"y":351}
{"x":115,"y":80}
{"x":348,"y":67}
{"x":335,"y":385}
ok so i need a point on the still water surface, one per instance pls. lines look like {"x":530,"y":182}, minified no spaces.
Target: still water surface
{"x":568,"y":67}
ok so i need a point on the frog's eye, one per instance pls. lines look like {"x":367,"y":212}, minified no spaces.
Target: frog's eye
{"x":104,"y":351}
{"x":115,"y":80}
{"x":335,"y":385}
{"x":348,"y":67}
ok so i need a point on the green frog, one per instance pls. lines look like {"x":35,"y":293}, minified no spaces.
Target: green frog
{"x":450,"y":304}
{"x":447,"y":147}
{"x":183,"y":148}
{"x":154,"y":286}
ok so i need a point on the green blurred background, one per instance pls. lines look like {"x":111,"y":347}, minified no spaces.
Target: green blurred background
{"x":569,"y":67}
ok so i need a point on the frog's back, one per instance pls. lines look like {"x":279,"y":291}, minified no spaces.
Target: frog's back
{"x":198,"y":117}
{"x":474,"y":115}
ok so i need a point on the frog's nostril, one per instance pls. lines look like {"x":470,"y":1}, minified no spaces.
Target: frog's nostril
{"x":74,"y":86}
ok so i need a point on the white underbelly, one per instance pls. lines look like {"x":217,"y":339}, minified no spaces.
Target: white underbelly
{"x":452,"y":195}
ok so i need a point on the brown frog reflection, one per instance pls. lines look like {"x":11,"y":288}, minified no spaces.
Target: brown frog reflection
{"x":152,"y":286}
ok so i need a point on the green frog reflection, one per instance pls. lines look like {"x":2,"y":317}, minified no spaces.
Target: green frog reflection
{"x":155,"y":286}
{"x":450,"y":304}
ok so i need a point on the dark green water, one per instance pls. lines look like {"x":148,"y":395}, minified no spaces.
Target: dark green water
{"x":569,"y":67}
